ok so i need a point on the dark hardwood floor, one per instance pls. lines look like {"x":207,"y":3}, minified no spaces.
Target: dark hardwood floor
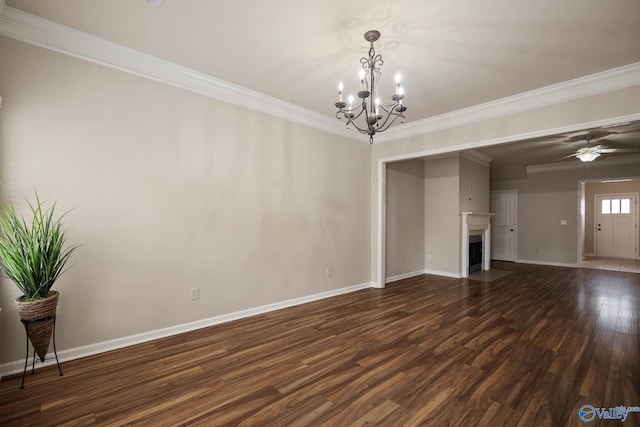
{"x":528,"y":349}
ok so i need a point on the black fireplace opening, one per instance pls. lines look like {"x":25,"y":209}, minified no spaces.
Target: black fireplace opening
{"x":475,"y":253}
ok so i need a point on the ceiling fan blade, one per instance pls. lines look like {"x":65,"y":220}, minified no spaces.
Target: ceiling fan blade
{"x":566,"y":157}
{"x":617,"y":150}
{"x":590,"y":135}
{"x":607,"y":143}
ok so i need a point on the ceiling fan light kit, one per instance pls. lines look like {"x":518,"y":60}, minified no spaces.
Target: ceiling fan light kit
{"x":371,"y":115}
{"x":588,"y":155}
{"x":592,"y":152}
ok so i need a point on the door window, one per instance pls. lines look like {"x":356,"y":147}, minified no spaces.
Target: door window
{"x":616,"y":206}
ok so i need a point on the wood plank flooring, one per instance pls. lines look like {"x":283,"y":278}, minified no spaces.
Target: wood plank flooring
{"x":528,"y":349}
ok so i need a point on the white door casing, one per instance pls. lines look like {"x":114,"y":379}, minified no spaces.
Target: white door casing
{"x":503,"y":225}
{"x":616,"y":225}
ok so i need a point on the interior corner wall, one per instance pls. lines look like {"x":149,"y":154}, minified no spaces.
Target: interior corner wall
{"x":593,"y":188}
{"x":546,"y":198}
{"x":170,"y":190}
{"x":442,"y":215}
{"x":405,"y":218}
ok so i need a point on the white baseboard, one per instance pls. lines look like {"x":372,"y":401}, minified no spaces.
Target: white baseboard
{"x":443,"y":273}
{"x":554,"y":264}
{"x":404,"y":276}
{"x":17,"y":366}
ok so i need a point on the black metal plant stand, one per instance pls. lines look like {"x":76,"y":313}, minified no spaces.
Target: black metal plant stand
{"x":26,"y":358}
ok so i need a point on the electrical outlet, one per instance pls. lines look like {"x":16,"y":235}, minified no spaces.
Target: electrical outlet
{"x":195,"y":294}
{"x":329,"y":271}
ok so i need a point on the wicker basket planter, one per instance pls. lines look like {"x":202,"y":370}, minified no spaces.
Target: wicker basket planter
{"x":39,"y":316}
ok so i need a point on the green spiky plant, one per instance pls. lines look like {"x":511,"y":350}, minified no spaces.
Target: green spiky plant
{"x":33,"y":254}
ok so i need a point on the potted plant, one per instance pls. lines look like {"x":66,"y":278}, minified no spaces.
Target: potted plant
{"x":33,"y":256}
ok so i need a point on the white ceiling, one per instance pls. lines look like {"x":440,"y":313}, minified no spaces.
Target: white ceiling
{"x":452,"y":54}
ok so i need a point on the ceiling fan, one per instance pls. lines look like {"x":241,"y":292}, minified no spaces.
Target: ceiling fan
{"x":592,"y":152}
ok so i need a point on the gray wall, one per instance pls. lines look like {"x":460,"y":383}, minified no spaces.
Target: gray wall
{"x":405,"y":217}
{"x":546,"y":198}
{"x":172,"y":190}
{"x":442,"y":215}
{"x":453,"y":184}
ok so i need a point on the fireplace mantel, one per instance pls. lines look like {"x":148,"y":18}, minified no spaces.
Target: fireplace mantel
{"x":475,"y":221}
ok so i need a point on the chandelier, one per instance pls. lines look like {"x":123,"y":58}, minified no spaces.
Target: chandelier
{"x":371,"y":115}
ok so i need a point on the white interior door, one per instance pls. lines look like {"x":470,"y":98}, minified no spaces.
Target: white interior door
{"x":503,"y":225}
{"x":616,"y":225}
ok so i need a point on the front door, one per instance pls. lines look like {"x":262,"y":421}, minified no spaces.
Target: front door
{"x":503,"y":225}
{"x":616,"y":230}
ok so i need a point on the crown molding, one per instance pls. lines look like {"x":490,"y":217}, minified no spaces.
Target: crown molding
{"x":475,"y":156}
{"x":574,"y":164}
{"x":470,"y":155}
{"x":50,"y":35}
{"x":594,"y":84}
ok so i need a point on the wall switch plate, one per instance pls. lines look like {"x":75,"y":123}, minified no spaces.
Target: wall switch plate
{"x":563,"y":222}
{"x":329,"y":271}
{"x":195,"y":294}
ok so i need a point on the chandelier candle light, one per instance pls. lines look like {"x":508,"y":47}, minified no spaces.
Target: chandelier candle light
{"x":373,"y":121}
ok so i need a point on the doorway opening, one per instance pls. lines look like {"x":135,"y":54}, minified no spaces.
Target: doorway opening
{"x":609,"y":234}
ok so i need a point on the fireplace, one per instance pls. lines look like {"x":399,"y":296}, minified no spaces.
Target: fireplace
{"x":476,"y":242}
{"x":475,"y":253}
